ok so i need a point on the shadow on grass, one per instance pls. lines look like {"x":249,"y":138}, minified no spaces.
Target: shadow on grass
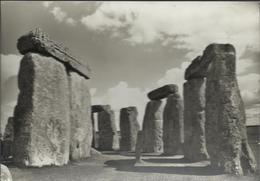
{"x":127,"y":165}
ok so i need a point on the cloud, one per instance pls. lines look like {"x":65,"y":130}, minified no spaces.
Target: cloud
{"x":249,"y":87}
{"x":174,"y":76}
{"x":200,"y":23}
{"x":253,"y":115}
{"x":71,"y":21}
{"x":58,"y":14}
{"x":121,"y":95}
{"x":46,"y":4}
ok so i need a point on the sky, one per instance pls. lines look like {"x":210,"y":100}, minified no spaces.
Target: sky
{"x":135,"y":47}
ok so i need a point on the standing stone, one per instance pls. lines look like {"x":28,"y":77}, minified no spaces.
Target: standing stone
{"x":139,"y":147}
{"x":129,"y":128}
{"x":95,"y":137}
{"x":80,"y":117}
{"x":226,"y":135}
{"x":152,"y":126}
{"x":42,"y":114}
{"x":9,"y":130}
{"x":194,"y":120}
{"x":173,"y":125}
{"x":7,"y":143}
{"x":5,"y":173}
{"x":108,"y":137}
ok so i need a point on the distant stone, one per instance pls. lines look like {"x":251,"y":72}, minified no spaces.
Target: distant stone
{"x":194,"y":120}
{"x":80,"y":117}
{"x":100,"y":108}
{"x":226,"y":136}
{"x":129,"y":128}
{"x":40,"y":42}
{"x":162,"y":92}
{"x":173,"y":125}
{"x":42,"y":114}
{"x":152,"y":126}
{"x":5,"y":173}
{"x":108,"y":137}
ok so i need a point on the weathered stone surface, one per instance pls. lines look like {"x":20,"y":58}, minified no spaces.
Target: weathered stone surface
{"x":42,"y":114}
{"x":194,"y":120}
{"x":38,"y":41}
{"x":139,"y":147}
{"x":226,"y":136}
{"x":173,"y":125}
{"x":152,"y":126}
{"x":162,"y":92}
{"x":129,"y":128}
{"x":80,"y":117}
{"x":100,"y":108}
{"x":9,"y":130}
{"x":5,"y":173}
{"x":108,"y":137}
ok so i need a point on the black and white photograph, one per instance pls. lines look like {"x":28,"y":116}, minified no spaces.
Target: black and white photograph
{"x":130,"y":91}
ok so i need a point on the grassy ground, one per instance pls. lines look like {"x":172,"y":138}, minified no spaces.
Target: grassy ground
{"x":113,"y":166}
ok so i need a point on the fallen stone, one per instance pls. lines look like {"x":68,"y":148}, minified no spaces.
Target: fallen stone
{"x":194,"y":120}
{"x":129,"y":128}
{"x":152,"y":126}
{"x":80,"y":117}
{"x":173,"y":125}
{"x":162,"y":92}
{"x":94,"y":152}
{"x":42,"y":114}
{"x":108,"y":137}
{"x":40,"y":42}
{"x":5,"y":173}
{"x":226,"y":137}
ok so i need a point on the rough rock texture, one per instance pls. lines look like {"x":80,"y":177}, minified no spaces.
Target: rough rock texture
{"x":42,"y":114}
{"x":194,"y":120}
{"x":162,"y":92}
{"x":152,"y":126}
{"x":226,"y":136}
{"x":99,"y":108}
{"x":129,"y":128}
{"x":5,"y":173}
{"x":80,"y":117}
{"x":173,"y":125}
{"x":9,"y":130}
{"x":139,"y":147}
{"x":39,"y":41}
{"x":108,"y":137}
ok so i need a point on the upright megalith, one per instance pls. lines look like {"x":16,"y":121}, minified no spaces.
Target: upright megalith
{"x":129,"y":128}
{"x":173,"y":135}
{"x":194,"y":111}
{"x":7,"y":143}
{"x":152,"y":126}
{"x":80,"y":117}
{"x":52,"y":119}
{"x":42,"y":114}
{"x":226,"y":136}
{"x":108,"y":137}
{"x":139,"y":147}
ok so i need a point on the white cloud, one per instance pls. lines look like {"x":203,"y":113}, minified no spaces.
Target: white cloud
{"x":202,"y":23}
{"x":9,"y":66}
{"x":249,"y":87}
{"x":58,"y":14}
{"x":121,"y":96}
{"x":46,"y":4}
{"x":70,"y":21}
{"x":174,"y":76}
